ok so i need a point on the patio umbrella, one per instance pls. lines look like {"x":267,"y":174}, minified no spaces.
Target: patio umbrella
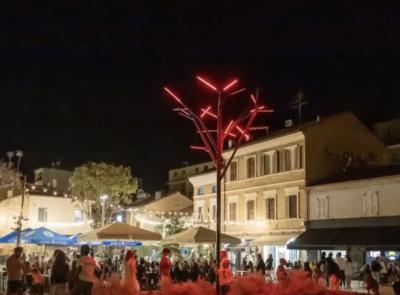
{"x":199,"y":234}
{"x":120,"y":231}
{"x":43,"y":236}
{"x":12,"y":236}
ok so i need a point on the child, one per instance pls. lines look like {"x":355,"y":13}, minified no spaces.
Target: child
{"x":225,"y":276}
{"x":37,"y":282}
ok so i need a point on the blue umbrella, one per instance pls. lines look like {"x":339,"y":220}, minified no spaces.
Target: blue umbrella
{"x":44,"y":236}
{"x":12,"y":236}
{"x":122,"y":243}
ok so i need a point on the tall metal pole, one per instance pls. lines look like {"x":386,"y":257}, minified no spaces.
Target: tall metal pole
{"x":21,"y":214}
{"x":218,"y":200}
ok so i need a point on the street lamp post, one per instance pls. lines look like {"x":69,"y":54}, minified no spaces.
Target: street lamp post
{"x":103,"y":199}
{"x":214,"y":138}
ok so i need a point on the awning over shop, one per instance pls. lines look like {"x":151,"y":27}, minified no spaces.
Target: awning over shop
{"x":382,"y":237}
{"x":273,"y":239}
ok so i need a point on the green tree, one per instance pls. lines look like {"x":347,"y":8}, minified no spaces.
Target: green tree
{"x":170,"y":226}
{"x":8,"y":176}
{"x":92,"y":180}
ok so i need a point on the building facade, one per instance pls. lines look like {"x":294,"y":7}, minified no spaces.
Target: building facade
{"x":53,"y":178}
{"x":367,"y":209}
{"x":57,"y":213}
{"x":264,"y":190}
{"x":178,"y":179}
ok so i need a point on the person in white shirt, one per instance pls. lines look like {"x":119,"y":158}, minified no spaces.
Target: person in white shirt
{"x":348,"y":271}
{"x":342,"y":265}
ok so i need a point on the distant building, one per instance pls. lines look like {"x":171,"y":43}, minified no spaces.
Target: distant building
{"x":358,"y":212}
{"x":43,"y":207}
{"x":178,"y":178}
{"x":264,"y":191}
{"x":54,"y":178}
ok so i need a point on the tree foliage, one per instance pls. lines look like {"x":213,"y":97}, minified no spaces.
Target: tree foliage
{"x":8,"y":176}
{"x":171,"y":226}
{"x":92,"y":180}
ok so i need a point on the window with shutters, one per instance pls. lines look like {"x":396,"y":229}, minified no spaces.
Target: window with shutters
{"x":214,"y":212}
{"x":233,"y":211}
{"x":233,"y":175}
{"x":42,"y":214}
{"x":292,"y":206}
{"x":277,"y":161}
{"x":266,"y":164}
{"x":251,"y":210}
{"x":199,"y":214}
{"x":298,"y":157}
{"x":322,"y":206}
{"x":288,"y":159}
{"x":370,"y":204}
{"x":251,"y":167}
{"x":270,"y":208}
{"x":200,"y":190}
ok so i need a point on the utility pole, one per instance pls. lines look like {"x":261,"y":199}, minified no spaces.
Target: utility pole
{"x":21,"y":218}
{"x":298,"y":104}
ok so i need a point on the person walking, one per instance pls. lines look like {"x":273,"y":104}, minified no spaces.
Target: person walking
{"x":341,"y":262}
{"x":15,"y":270}
{"x":333,"y":274}
{"x":281,"y":273}
{"x":37,"y":287}
{"x":348,"y":271}
{"x":165,"y":267}
{"x":376,"y":268}
{"x":307,"y":269}
{"x":260,"y":267}
{"x":86,"y":277}
{"x":129,"y":279}
{"x":225,"y":276}
{"x":59,"y":274}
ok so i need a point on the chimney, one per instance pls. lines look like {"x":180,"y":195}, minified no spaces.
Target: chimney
{"x":158,"y":195}
{"x":288,"y":123}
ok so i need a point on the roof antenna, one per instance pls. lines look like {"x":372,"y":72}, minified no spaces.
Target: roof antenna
{"x":298,"y":104}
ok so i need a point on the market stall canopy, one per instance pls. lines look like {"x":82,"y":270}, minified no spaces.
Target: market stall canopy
{"x":378,"y":237}
{"x":119,"y":231}
{"x":273,"y":240}
{"x":12,"y":236}
{"x":199,"y":235}
{"x":175,"y":202}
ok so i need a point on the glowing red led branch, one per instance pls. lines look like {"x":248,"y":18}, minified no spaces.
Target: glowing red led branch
{"x":229,"y":85}
{"x":237,"y":91}
{"x":253,"y":98}
{"x":198,"y":148}
{"x":206,"y":111}
{"x":205,"y":82}
{"x":247,"y":137}
{"x":173,"y":95}
{"x":259,"y":128}
{"x":228,"y":128}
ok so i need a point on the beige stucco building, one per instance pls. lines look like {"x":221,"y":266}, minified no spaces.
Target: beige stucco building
{"x":55,"y":212}
{"x":264,"y":196}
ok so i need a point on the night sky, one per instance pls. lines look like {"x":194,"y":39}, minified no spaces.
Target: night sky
{"x":83,"y":82}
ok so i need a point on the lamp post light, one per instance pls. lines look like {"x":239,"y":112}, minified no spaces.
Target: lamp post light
{"x":103,"y":199}
{"x":214,"y":138}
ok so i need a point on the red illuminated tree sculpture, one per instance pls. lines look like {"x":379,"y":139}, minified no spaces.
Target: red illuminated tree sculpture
{"x":223,"y":129}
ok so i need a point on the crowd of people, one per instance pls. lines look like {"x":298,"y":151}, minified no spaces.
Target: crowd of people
{"x":78,"y":274}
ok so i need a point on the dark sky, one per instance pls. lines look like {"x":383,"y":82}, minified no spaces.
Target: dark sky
{"x":83,"y":81}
